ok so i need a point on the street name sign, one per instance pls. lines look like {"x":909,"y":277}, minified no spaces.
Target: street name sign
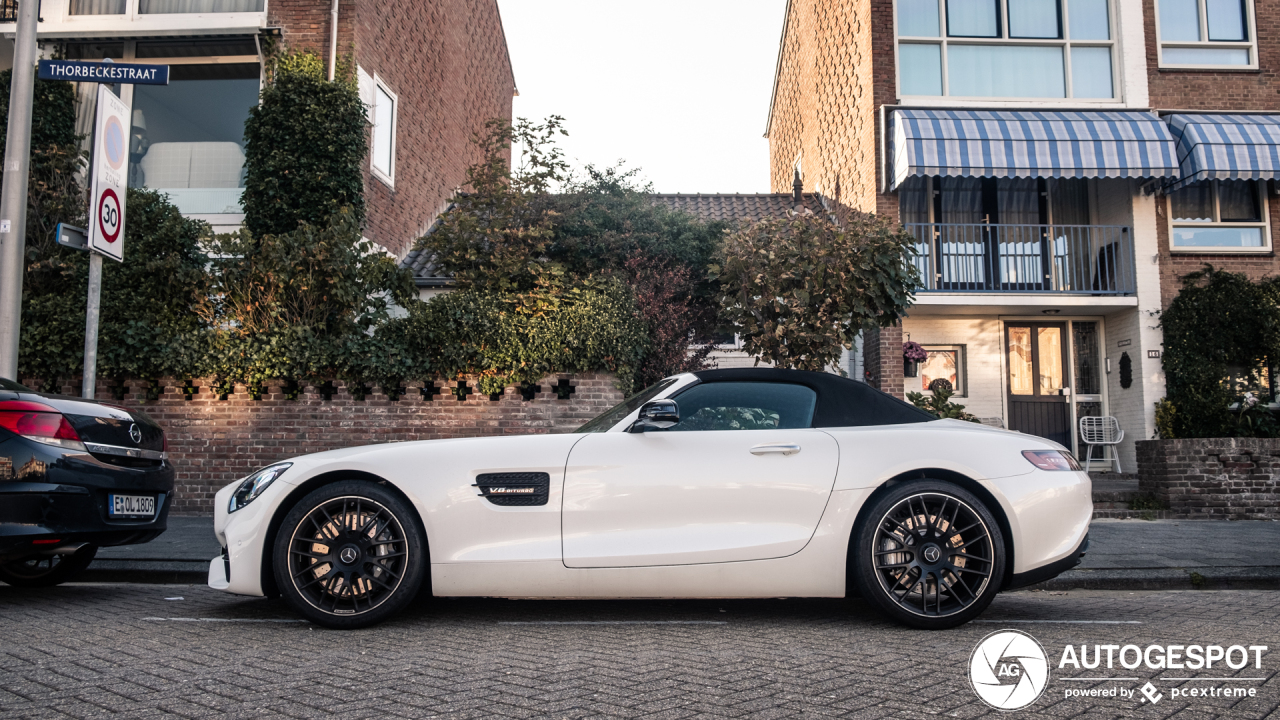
{"x":104,"y":72}
{"x":110,"y":167}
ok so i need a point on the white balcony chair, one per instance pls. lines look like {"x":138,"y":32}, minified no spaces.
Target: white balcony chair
{"x":1101,"y":431}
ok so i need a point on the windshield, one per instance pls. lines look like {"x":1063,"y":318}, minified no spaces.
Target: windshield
{"x":614,"y":415}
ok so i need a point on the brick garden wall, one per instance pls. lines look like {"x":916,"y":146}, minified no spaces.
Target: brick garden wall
{"x":214,"y":441}
{"x":1213,"y":478}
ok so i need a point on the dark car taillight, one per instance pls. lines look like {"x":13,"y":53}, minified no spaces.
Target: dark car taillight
{"x":39,"y":422}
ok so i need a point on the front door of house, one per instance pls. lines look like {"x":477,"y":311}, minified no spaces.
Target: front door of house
{"x":1039,"y":380}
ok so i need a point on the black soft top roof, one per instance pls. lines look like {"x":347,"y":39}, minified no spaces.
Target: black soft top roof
{"x":841,"y":402}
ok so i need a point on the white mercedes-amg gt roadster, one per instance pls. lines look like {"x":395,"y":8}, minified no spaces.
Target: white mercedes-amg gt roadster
{"x":747,"y":483}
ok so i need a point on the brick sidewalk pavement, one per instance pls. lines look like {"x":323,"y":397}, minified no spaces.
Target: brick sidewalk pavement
{"x":93,"y":650}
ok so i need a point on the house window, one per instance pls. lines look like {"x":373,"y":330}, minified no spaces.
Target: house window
{"x":1206,"y":33}
{"x":1005,"y":48}
{"x":1219,"y":216}
{"x":383,"y":151}
{"x":945,"y":363}
{"x":187,"y":137}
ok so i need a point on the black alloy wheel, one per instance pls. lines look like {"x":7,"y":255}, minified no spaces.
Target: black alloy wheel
{"x":930,"y":555}
{"x":350,"y":555}
{"x":47,"y":570}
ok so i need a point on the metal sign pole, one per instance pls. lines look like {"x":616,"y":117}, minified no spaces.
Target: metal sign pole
{"x":13,"y":197}
{"x":87,"y":385}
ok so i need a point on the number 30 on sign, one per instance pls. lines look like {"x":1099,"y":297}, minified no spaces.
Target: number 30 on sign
{"x":110,"y":168}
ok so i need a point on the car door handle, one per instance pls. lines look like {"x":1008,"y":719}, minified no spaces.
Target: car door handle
{"x":779,"y":449}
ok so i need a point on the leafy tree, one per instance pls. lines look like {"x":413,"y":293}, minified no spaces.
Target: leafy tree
{"x":305,"y":146}
{"x":511,"y":234}
{"x":496,"y":237}
{"x":1220,"y":331}
{"x":798,"y":289}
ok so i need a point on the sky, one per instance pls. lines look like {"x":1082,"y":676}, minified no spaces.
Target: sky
{"x":678,"y":88}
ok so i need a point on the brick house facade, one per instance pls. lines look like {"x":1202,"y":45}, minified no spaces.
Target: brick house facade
{"x":442,"y":69}
{"x":1032,"y":247}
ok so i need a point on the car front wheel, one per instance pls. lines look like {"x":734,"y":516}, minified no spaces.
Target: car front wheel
{"x":930,"y":554}
{"x":47,"y":570}
{"x":350,"y":555}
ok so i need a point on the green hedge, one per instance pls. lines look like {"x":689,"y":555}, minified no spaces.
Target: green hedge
{"x":305,"y":147}
{"x":1221,"y":332}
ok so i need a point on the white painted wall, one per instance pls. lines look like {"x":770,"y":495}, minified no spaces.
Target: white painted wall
{"x":983,"y":338}
{"x":1139,"y":329}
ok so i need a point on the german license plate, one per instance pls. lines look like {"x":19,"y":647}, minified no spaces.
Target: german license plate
{"x":131,"y":505}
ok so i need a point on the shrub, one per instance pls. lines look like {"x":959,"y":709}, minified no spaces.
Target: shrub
{"x":154,"y":305}
{"x":54,"y":194}
{"x":1220,"y":331}
{"x":299,"y":304}
{"x":488,"y":335}
{"x":798,"y":289}
{"x":305,"y":148}
{"x":678,"y":326}
{"x":940,"y":405}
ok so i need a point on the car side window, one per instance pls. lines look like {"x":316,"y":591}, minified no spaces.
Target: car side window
{"x":745,"y":406}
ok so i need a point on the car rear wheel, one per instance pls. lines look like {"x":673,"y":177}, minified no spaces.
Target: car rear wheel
{"x":47,"y":570}
{"x":930,"y":554}
{"x":350,"y":555}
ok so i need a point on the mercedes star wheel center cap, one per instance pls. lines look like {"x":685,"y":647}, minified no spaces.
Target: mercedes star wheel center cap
{"x":348,"y":555}
{"x":932,"y":553}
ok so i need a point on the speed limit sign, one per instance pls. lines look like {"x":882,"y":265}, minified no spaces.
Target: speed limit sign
{"x":110,"y":169}
{"x":109,"y":216}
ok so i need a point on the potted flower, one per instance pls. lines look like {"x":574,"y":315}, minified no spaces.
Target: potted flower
{"x":912,"y":355}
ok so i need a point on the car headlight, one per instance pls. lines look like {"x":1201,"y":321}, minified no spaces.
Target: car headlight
{"x":254,"y":485}
{"x":1051,"y":459}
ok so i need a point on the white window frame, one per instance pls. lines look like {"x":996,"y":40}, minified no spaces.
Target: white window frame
{"x":1065,"y":42}
{"x":387,"y":177}
{"x":1265,"y":225}
{"x":1206,"y":44}
{"x":962,"y":381}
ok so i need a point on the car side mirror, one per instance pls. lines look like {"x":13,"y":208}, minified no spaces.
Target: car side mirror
{"x":656,"y":415}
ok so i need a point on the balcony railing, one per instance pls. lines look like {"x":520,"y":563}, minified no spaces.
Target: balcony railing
{"x":1076,"y":259}
{"x":8,"y":11}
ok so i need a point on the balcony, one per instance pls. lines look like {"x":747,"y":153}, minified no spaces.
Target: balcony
{"x":1082,"y":260}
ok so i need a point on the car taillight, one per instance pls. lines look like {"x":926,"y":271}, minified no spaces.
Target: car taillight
{"x":39,"y":422}
{"x":1051,"y":460}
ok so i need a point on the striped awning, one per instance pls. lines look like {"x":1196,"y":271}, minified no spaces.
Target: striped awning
{"x":1226,"y":146}
{"x":1027,"y":143}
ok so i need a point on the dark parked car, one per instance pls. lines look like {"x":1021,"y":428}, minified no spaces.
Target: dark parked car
{"x":75,"y":475}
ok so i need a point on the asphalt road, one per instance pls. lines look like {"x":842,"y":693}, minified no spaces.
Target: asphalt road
{"x":142,"y":651}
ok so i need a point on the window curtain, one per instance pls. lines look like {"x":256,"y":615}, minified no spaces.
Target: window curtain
{"x":1034,"y":19}
{"x":96,"y":7}
{"x":198,"y":6}
{"x":1006,"y":71}
{"x":962,"y":248}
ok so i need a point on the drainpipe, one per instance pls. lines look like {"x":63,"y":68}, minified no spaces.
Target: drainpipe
{"x":333,"y":38}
